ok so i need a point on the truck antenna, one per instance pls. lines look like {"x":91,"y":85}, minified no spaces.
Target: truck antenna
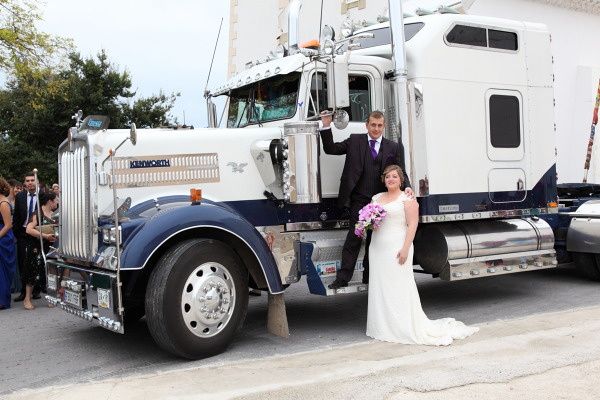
{"x":213,"y":58}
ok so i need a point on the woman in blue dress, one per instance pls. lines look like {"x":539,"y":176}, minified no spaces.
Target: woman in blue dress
{"x":8,"y":258}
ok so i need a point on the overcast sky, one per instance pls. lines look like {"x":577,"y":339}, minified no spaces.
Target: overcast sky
{"x":164,"y":45}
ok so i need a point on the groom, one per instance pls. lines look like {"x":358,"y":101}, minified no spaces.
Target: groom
{"x":367,"y":155}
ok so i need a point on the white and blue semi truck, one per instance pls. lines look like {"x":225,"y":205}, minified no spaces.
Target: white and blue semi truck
{"x":177,"y":225}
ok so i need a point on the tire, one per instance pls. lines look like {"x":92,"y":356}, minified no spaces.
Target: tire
{"x":197,"y":298}
{"x":588,"y":264}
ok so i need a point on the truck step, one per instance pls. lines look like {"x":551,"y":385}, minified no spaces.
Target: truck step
{"x":353,"y":287}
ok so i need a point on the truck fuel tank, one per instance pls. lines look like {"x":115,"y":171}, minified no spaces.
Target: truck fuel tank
{"x":438,"y":246}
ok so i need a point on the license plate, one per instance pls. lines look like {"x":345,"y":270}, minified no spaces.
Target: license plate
{"x":72,"y":298}
{"x":104,"y":298}
{"x":51,"y":281}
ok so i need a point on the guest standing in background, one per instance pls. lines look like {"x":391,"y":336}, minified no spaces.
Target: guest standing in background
{"x":25,"y":204}
{"x":34,"y":267}
{"x":7,"y":246}
{"x":15,"y":188}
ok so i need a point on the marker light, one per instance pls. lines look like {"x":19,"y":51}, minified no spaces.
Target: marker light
{"x":196,"y":196}
{"x":311,"y":44}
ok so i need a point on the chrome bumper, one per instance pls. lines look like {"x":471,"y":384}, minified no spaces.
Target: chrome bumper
{"x":88,"y":293}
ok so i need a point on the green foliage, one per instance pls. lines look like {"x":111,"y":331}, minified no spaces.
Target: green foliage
{"x":20,"y":41}
{"x":151,"y":112}
{"x":37,"y":104}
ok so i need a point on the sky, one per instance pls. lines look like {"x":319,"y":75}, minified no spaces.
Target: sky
{"x":164,"y":45}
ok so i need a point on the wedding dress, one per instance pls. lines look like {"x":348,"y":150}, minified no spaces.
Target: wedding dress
{"x":394,"y":310}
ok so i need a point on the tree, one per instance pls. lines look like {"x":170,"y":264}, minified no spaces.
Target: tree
{"x":38,"y":102}
{"x":151,"y":112}
{"x":20,"y":41}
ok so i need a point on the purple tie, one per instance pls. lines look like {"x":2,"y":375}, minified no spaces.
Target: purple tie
{"x":373,"y":151}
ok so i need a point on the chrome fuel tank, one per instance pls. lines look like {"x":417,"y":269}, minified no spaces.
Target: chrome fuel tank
{"x":438,"y":244}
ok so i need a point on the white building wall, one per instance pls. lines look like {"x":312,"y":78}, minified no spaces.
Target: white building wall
{"x":575,"y":27}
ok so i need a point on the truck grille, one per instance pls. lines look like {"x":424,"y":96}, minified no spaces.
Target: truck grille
{"x":74,"y":204}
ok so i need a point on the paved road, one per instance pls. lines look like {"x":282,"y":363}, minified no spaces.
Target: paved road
{"x":48,"y":346}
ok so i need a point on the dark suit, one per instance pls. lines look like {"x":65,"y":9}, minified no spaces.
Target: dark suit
{"x":19,"y":218}
{"x":359,"y":182}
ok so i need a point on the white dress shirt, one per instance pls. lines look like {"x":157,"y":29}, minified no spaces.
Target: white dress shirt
{"x":377,"y":143}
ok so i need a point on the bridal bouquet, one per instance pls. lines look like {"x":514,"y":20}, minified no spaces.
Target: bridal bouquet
{"x":369,"y":217}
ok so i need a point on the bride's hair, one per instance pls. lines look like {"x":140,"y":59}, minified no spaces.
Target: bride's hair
{"x":391,"y":168}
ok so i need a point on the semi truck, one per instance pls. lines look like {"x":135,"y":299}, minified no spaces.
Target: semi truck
{"x":178,"y":225}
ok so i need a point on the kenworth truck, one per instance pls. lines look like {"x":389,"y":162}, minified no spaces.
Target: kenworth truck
{"x":178,"y":225}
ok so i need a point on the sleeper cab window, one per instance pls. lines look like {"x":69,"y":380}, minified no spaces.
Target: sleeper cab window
{"x":467,"y":35}
{"x":505,"y":121}
{"x":483,"y":37}
{"x":502,"y":40}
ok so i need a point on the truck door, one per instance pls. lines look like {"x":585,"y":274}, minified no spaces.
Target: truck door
{"x":505,"y":146}
{"x":365,"y":96}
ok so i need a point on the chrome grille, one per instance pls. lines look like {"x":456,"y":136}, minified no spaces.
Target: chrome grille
{"x":74,"y":204}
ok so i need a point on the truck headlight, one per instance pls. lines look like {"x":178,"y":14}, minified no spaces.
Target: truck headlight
{"x":109,"y":235}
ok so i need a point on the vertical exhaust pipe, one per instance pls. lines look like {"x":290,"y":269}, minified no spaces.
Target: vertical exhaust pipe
{"x":294,"y":25}
{"x":397,"y":33}
{"x":400,"y":109}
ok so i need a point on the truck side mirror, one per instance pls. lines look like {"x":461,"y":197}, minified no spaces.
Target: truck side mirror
{"x":338,"y":89}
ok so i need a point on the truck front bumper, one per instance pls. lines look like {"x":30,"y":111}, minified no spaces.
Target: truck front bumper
{"x":89,"y":293}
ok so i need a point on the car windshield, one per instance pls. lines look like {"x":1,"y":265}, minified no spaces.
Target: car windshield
{"x":264,"y":101}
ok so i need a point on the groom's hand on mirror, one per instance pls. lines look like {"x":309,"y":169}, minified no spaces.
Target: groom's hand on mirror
{"x":410,"y":193}
{"x":326,"y":118}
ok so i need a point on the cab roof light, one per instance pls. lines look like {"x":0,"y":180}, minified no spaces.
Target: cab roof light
{"x":311,"y":44}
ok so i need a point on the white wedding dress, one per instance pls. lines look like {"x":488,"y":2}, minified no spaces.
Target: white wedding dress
{"x":394,"y":310}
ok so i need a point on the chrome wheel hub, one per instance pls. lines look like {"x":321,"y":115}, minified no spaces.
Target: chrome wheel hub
{"x":208,"y":299}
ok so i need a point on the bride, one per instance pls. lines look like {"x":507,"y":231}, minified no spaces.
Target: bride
{"x":394,"y":309}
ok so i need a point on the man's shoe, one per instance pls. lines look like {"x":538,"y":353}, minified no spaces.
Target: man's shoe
{"x":337,"y":284}
{"x":19,"y":298}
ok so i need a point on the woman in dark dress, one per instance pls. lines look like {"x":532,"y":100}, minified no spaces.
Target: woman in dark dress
{"x":8,"y":252}
{"x":34,"y":266}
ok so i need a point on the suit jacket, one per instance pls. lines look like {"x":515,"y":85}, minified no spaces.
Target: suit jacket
{"x":20,"y":213}
{"x":355,"y":147}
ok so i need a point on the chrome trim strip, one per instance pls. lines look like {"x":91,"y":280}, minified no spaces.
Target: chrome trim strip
{"x":487,"y":215}
{"x":501,"y":256}
{"x":580,"y":215}
{"x":316,"y":225}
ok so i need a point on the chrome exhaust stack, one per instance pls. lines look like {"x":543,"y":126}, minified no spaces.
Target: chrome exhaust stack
{"x":294,"y":26}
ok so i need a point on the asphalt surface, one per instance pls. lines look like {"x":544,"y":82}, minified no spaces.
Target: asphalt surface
{"x":49,"y":347}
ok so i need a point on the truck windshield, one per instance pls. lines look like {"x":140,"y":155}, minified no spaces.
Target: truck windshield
{"x":263,"y":101}
{"x":383,"y":36}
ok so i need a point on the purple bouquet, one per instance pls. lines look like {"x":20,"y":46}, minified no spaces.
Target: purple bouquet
{"x":369,"y":217}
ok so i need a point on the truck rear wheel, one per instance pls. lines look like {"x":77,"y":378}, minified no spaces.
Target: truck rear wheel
{"x":197,"y":298}
{"x":588,"y":264}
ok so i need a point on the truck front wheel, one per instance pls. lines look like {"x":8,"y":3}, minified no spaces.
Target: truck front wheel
{"x":588,"y":264}
{"x":197,"y":298}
